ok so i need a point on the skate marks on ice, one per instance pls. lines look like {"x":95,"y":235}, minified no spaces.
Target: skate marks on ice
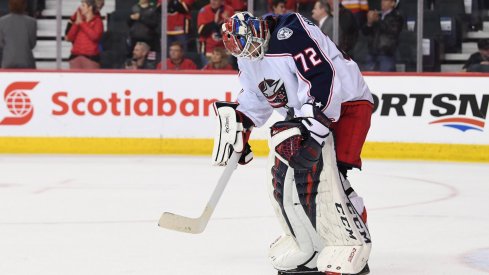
{"x":430,"y":219}
{"x":478,"y":259}
{"x":59,"y":213}
{"x":443,"y":192}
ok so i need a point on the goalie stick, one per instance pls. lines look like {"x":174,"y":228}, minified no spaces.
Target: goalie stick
{"x":197,"y":225}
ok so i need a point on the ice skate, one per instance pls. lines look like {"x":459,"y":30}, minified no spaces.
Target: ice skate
{"x":307,"y":271}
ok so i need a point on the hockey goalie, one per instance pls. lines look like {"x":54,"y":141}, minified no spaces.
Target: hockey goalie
{"x":286,"y":64}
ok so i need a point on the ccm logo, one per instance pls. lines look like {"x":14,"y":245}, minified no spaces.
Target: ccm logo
{"x":18,"y":103}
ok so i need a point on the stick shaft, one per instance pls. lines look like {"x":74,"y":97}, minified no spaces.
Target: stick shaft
{"x":197,"y":225}
{"x":223,"y":181}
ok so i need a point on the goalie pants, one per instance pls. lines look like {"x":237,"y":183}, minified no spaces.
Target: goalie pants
{"x":304,"y":201}
{"x":350,"y":132}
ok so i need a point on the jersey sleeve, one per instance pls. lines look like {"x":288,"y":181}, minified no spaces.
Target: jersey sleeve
{"x":252,"y":103}
{"x":315,"y":71}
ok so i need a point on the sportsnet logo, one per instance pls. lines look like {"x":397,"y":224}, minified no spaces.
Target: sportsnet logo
{"x":18,"y":103}
{"x":462,"y":112}
{"x":461,"y":123}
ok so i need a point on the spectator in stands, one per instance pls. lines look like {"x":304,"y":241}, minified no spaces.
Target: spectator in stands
{"x":85,"y":34}
{"x":177,"y":60}
{"x":348,"y":27}
{"x":323,"y":14}
{"x":210,"y":18}
{"x":290,"y":5}
{"x":278,"y":8}
{"x":178,"y":21}
{"x":98,"y":3}
{"x":237,"y":5}
{"x":305,"y":7}
{"x":18,"y":33}
{"x":382,"y":31}
{"x":218,"y":61}
{"x":143,"y":24}
{"x":35,"y":7}
{"x":479,"y":61}
{"x":476,"y":14}
{"x":140,"y":59}
{"x":359,"y":8}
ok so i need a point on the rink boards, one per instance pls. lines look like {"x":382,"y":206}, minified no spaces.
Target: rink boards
{"x":417,"y":116}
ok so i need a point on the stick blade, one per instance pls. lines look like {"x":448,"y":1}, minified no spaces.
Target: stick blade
{"x":180,"y":223}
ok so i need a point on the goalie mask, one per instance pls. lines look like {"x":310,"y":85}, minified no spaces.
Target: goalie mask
{"x":246,"y":36}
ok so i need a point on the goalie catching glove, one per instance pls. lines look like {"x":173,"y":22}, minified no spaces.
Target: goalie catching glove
{"x":232,"y":134}
{"x":304,"y":151}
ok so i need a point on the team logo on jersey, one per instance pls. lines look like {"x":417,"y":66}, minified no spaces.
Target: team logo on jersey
{"x":274,"y":91}
{"x":284,"y":33}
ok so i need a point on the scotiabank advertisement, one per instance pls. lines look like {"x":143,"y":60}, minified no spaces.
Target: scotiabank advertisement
{"x":424,"y":109}
{"x":111,"y":105}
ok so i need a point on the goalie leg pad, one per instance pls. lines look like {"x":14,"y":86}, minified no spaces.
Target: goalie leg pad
{"x":300,"y":245}
{"x":315,"y":212}
{"x":346,"y":236}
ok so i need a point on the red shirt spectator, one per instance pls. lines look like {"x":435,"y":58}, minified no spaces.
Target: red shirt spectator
{"x":211,"y":66}
{"x":99,"y":5}
{"x":218,"y":60}
{"x":85,"y":35}
{"x":178,"y":16}
{"x":208,"y":22}
{"x":237,"y":5}
{"x":186,"y":64}
{"x":356,"y":6}
{"x":176,"y":60}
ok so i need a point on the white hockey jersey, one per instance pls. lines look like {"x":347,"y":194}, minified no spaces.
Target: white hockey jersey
{"x":302,"y":65}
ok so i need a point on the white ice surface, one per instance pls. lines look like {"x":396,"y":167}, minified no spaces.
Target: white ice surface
{"x":98,"y":215}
